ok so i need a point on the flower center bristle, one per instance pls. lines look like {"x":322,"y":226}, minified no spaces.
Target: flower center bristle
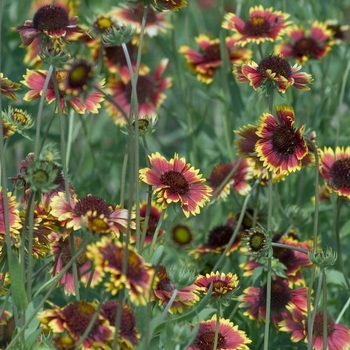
{"x":50,"y":18}
{"x":79,"y":315}
{"x":220,"y":236}
{"x":206,"y":341}
{"x":176,"y":181}
{"x":280,"y":295}
{"x":284,"y":255}
{"x":318,"y":325}
{"x":257,"y":26}
{"x":340,"y":173}
{"x":212,"y":53}
{"x":305,"y":47}
{"x":144,"y":88}
{"x":284,"y":140}
{"x":92,"y":203}
{"x":277,"y":65}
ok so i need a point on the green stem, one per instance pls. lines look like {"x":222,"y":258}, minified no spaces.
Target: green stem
{"x":156,"y":233}
{"x":309,"y":311}
{"x":285,"y":246}
{"x":168,"y":306}
{"x":30,"y":209}
{"x":216,"y":337}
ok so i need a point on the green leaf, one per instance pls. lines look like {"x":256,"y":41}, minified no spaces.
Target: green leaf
{"x":17,"y":283}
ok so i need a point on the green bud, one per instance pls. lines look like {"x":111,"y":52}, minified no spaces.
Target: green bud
{"x":181,"y":276}
{"x":323,"y":258}
{"x":118,"y":36}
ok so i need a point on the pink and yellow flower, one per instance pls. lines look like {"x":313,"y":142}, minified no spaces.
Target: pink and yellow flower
{"x":281,"y":146}
{"x":150,"y":92}
{"x":274,"y":71}
{"x":164,"y":288}
{"x":335,"y":169}
{"x":204,"y":63}
{"x":108,"y":257}
{"x":238,"y":179}
{"x":262,"y":25}
{"x":338,"y":335}
{"x":35,"y":81}
{"x":283,"y":301}
{"x":49,"y":20}
{"x":91,"y":212}
{"x":71,"y":321}
{"x":229,"y":336}
{"x":304,"y":45}
{"x":176,"y":181}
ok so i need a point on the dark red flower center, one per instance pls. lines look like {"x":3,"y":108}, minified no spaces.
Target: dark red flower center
{"x":212,"y":53}
{"x":257,"y":26}
{"x":340,"y":173}
{"x":205,"y":341}
{"x":281,"y":295}
{"x":318,"y":325}
{"x":219,"y":174}
{"x":284,"y":255}
{"x":135,"y":14}
{"x":78,"y":316}
{"x":164,"y":283}
{"x":79,"y":75}
{"x":50,"y":18}
{"x":305,"y":47}
{"x":220,"y":236}
{"x":181,"y":235}
{"x":66,"y":252}
{"x":277,"y":65}
{"x":144,"y":89}
{"x":218,"y":285}
{"x":176,"y":182}
{"x":92,"y":203}
{"x":284,"y":140}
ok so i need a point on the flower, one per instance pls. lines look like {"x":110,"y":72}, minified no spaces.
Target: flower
{"x":335,"y":169}
{"x":128,"y":334}
{"x":50,"y":20}
{"x":108,"y":257}
{"x":229,"y":337}
{"x":92,"y":212}
{"x":339,"y":32}
{"x":133,"y":14}
{"x":223,"y":284}
{"x":62,"y":254}
{"x":8,"y":87}
{"x":150,"y":92}
{"x":283,"y":301}
{"x":205,"y":62}
{"x":35,"y":81}
{"x":73,"y":319}
{"x":171,"y":5}
{"x":7,"y":327}
{"x":262,"y":25}
{"x":238,"y":178}
{"x":338,"y":336}
{"x":314,"y":44}
{"x":175,"y":182}
{"x":181,"y":235}
{"x":272,"y":71}
{"x":164,"y":288}
{"x":281,"y":147}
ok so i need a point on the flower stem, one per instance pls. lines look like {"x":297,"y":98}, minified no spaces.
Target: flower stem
{"x":216,"y":337}
{"x":156,"y":233}
{"x":168,"y":306}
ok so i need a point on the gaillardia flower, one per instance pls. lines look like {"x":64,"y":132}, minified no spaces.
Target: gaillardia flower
{"x":176,"y":181}
{"x":229,"y":336}
{"x":335,"y":169}
{"x":283,"y":301}
{"x":73,"y":319}
{"x":170,"y":5}
{"x":35,"y":80}
{"x":304,"y":46}
{"x":272,"y":71}
{"x":338,"y":335}
{"x":164,"y":288}
{"x":91,"y":212}
{"x":281,"y":146}
{"x":205,"y":62}
{"x":238,"y":179}
{"x":50,"y":20}
{"x":150,"y":92}
{"x":262,"y":25}
{"x":8,"y":87}
{"x":339,"y":32}
{"x":108,"y":257}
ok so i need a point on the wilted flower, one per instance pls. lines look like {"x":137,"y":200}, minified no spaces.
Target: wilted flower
{"x":8,"y":87}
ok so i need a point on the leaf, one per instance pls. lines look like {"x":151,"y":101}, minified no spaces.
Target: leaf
{"x":17,"y":283}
